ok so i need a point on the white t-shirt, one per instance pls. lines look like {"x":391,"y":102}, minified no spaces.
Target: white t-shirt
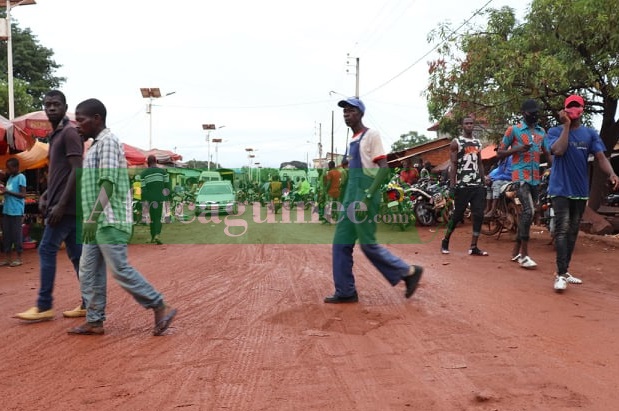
{"x":371,"y":151}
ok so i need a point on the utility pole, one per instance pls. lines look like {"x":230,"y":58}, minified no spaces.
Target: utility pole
{"x":356,"y":73}
{"x":332,"y":126}
{"x":320,"y":147}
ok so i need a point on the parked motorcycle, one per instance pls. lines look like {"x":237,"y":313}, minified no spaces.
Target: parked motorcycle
{"x":179,"y":201}
{"x":397,"y":206}
{"x":431,"y":203}
{"x":276,"y":204}
{"x":544,"y":213}
{"x":507,"y":212}
{"x":612,"y":200}
{"x":292,"y":199}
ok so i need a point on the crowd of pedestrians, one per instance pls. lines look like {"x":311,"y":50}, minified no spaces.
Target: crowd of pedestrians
{"x":96,"y":232}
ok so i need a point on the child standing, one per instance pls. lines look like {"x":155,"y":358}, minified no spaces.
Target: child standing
{"x":13,"y":210}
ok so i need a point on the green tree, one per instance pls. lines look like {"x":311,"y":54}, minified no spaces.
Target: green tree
{"x":411,"y":139}
{"x":563,"y":47}
{"x":21,"y":99}
{"x":33,"y":64}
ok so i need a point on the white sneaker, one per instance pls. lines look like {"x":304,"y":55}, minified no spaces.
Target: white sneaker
{"x":527,"y":262}
{"x":516,"y":258}
{"x":572,"y":280}
{"x":560,"y":283}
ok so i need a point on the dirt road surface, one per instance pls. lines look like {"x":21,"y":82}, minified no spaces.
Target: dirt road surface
{"x":252,"y":333}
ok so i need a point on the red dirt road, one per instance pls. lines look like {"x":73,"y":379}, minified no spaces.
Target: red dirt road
{"x":252,"y":333}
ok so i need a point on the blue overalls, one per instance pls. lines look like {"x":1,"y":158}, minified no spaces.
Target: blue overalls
{"x":350,"y":229}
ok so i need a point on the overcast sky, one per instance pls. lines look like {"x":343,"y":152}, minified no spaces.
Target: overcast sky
{"x":269,"y":73}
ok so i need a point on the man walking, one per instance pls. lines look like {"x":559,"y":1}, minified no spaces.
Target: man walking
{"x":368,"y":169}
{"x":58,"y":206}
{"x":466,"y":181}
{"x":106,"y":206}
{"x":525,"y":142}
{"x":155,"y":191}
{"x":570,"y":144}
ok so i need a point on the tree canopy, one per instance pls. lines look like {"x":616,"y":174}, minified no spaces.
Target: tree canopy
{"x":563,"y":47}
{"x":411,"y":139}
{"x":33,"y":72}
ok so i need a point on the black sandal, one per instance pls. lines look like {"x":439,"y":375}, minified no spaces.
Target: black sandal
{"x":477,"y":251}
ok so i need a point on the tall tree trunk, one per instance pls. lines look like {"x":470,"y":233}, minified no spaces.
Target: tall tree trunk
{"x":609,"y":134}
{"x":598,"y":187}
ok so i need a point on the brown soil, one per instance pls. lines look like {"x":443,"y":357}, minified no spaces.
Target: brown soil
{"x":252,"y":333}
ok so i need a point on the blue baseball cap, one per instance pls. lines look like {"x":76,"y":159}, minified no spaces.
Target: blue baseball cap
{"x":352,"y":101}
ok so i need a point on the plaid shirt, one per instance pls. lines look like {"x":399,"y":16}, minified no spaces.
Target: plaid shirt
{"x":105,"y":160}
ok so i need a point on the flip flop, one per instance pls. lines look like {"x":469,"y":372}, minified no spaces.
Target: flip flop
{"x":165,"y":322}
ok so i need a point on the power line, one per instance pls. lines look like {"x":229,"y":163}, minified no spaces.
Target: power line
{"x":429,"y":51}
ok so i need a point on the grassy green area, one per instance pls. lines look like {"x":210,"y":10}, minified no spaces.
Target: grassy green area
{"x":256,"y":225}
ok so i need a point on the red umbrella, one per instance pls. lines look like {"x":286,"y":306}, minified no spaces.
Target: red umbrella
{"x":36,"y":123}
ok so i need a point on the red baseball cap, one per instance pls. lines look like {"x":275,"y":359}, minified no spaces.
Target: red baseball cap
{"x":574,"y":98}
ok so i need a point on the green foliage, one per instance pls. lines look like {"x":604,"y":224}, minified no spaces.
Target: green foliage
{"x":33,"y":64}
{"x":563,"y":47}
{"x":21,"y":99}
{"x":411,"y":139}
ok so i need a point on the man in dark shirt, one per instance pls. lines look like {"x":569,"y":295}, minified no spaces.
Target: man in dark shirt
{"x":58,"y":206}
{"x":155,"y":191}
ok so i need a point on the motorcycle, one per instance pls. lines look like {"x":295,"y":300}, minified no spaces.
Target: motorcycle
{"x":397,"y":206}
{"x":292,"y":199}
{"x":612,"y":200}
{"x":507,"y":213}
{"x":431,"y":203}
{"x":136,"y":206}
{"x":179,"y":200}
{"x":276,"y":204}
{"x":544,"y":212}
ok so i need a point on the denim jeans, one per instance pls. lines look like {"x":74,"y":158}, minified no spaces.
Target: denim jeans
{"x":348,"y":231}
{"x":110,"y":251}
{"x":527,"y":194}
{"x":53,"y":236}
{"x":568,"y":213}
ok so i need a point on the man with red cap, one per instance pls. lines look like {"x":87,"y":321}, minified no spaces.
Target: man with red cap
{"x":570,"y":144}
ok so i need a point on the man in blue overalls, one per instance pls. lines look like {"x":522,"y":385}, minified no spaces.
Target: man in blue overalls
{"x":367,"y":170}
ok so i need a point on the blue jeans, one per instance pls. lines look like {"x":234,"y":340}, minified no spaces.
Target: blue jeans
{"x":568,"y":213}
{"x":53,"y":236}
{"x":110,"y":251}
{"x":348,"y":231}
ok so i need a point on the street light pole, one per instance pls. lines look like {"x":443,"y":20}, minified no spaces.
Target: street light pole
{"x":217,"y":141}
{"x":9,"y":50}
{"x":208,"y":128}
{"x":250,"y":156}
{"x":151,"y":93}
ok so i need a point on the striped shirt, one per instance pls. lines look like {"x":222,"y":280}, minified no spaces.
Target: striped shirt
{"x":105,"y":161}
